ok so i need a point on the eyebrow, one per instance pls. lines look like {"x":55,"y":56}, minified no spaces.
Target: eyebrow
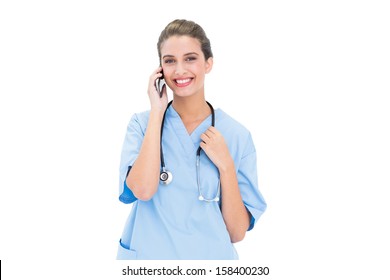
{"x":190,"y":53}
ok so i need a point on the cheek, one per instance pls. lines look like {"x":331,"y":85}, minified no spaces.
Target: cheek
{"x":167,"y":72}
{"x":201,"y":72}
{"x":197,"y":69}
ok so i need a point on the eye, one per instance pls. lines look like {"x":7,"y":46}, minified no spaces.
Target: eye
{"x":169,"y":61}
{"x":190,"y":58}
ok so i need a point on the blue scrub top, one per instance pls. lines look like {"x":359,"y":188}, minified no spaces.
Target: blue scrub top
{"x":174,"y":224}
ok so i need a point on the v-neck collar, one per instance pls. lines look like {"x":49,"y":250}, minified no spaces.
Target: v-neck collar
{"x":189,"y":142}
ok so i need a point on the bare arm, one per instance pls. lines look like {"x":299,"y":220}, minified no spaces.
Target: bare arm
{"x":143,"y":178}
{"x":234,"y":212}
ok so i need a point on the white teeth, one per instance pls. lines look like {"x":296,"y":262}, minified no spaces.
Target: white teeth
{"x":183,"y":81}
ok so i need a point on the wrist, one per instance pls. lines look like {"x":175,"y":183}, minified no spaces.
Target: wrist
{"x":157,"y":112}
{"x":226,"y":167}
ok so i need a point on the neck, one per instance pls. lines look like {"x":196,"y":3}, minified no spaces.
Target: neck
{"x":191,"y":109}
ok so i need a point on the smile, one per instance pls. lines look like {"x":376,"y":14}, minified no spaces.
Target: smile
{"x":183,"y":82}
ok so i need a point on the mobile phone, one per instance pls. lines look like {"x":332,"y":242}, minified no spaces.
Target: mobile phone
{"x":159,"y":83}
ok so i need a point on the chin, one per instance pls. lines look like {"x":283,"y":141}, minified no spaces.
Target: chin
{"x":181,"y":93}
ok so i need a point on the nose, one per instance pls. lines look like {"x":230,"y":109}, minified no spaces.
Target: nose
{"x":180,"y":69}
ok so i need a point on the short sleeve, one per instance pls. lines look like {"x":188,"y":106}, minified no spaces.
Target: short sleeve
{"x":130,"y":150}
{"x":248,"y":183}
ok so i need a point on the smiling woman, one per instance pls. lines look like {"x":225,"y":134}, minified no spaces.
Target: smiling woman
{"x":209,"y":197}
{"x":184,"y":65}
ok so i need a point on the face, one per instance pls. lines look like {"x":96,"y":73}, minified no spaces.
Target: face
{"x":184,"y":65}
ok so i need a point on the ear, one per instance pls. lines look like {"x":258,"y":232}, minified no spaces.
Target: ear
{"x":209,"y":64}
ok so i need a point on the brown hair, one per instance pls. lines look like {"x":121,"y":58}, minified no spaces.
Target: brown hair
{"x":181,"y":27}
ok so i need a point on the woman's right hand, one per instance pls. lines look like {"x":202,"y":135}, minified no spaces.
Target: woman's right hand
{"x":155,"y":101}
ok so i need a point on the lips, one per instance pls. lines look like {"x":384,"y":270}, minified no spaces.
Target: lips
{"x":183,"y":82}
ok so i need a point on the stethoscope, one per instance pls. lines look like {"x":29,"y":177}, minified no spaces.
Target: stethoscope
{"x":166,"y":176}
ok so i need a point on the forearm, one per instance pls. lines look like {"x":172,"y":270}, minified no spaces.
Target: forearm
{"x":143,"y":178}
{"x":234,"y":212}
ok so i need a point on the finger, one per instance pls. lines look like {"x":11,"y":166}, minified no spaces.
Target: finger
{"x":213,"y":130}
{"x":158,"y":70}
{"x":207,"y":134}
{"x":203,"y":145}
{"x":204,"y":137}
{"x":155,"y":76}
{"x":157,"y":73}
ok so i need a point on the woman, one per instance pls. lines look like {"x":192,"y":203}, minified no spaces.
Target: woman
{"x":212,"y":198}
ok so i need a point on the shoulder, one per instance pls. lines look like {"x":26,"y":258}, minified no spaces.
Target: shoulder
{"x":227,"y":124}
{"x":237,"y":136}
{"x":139,"y":120}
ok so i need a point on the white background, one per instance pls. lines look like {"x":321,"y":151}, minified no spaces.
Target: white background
{"x":310,"y":79}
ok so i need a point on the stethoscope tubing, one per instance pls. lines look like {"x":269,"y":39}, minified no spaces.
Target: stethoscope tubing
{"x":166,"y":176}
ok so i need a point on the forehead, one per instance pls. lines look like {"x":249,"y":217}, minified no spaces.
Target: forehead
{"x":180,"y":45}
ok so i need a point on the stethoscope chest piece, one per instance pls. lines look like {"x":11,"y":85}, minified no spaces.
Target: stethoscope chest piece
{"x":165,"y":176}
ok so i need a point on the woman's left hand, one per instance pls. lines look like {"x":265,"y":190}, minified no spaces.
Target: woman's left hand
{"x":234,"y":212}
{"x":214,"y":145}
